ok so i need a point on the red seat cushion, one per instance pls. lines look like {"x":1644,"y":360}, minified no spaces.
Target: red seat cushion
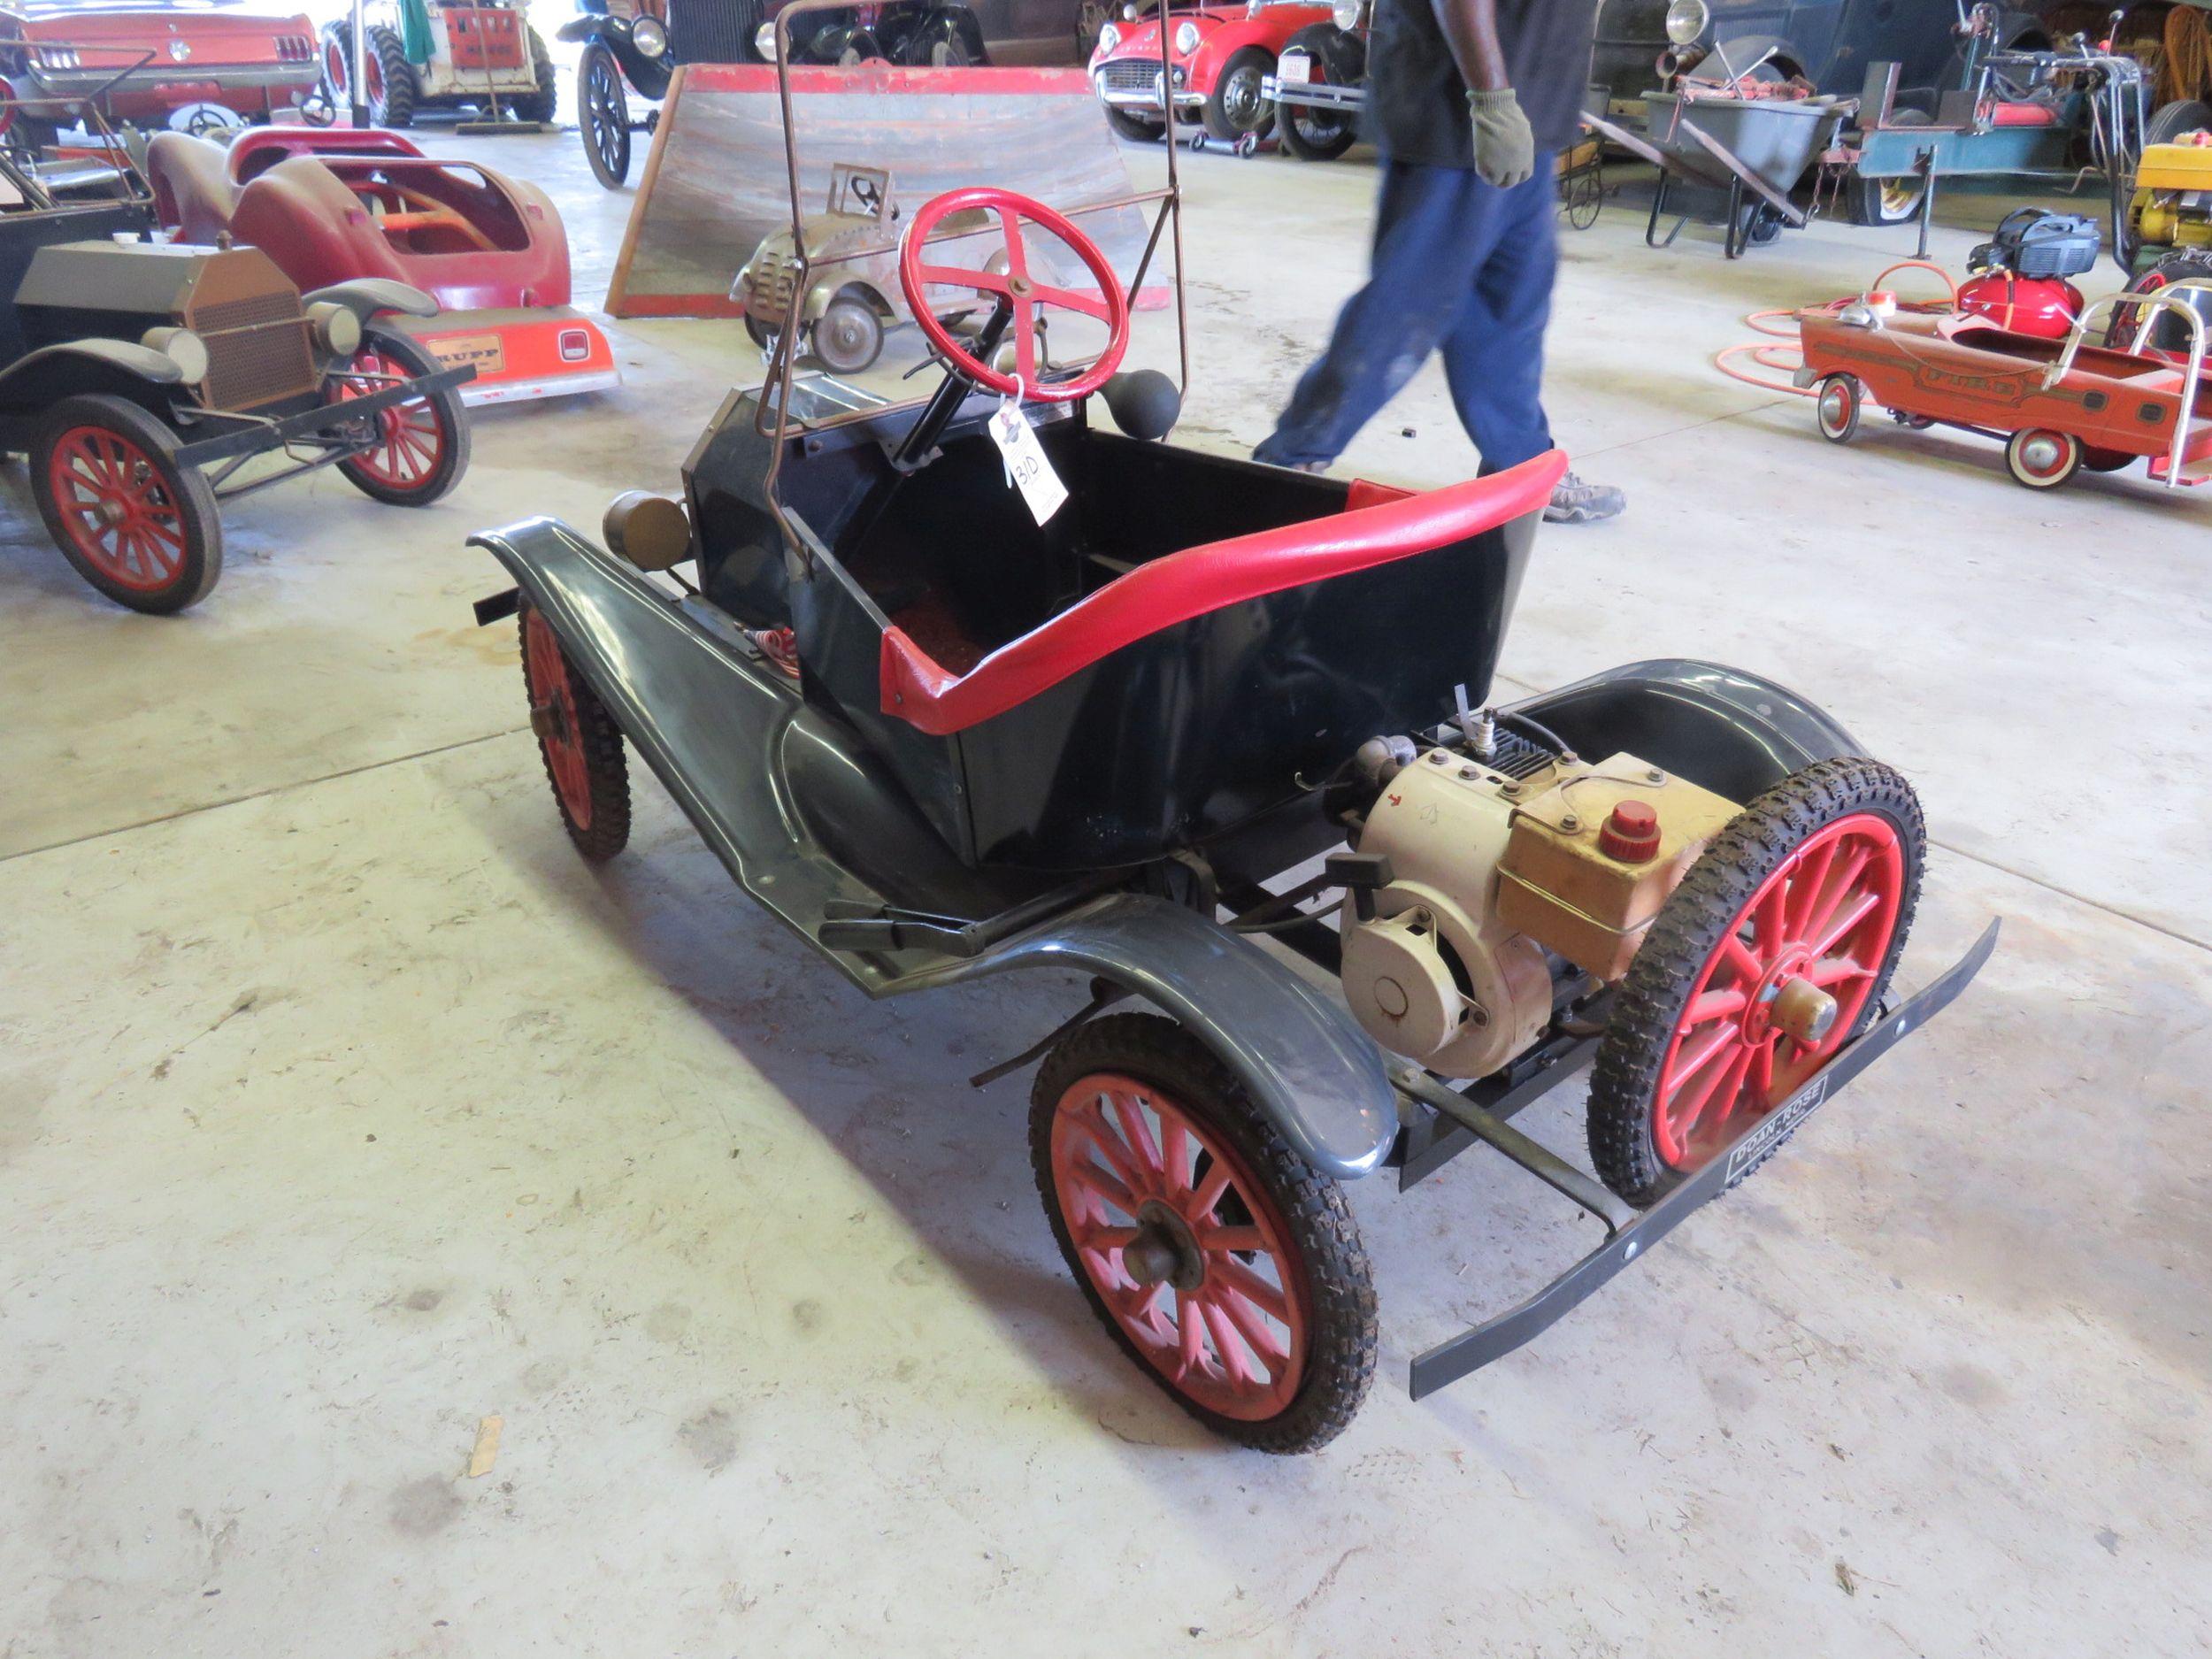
{"x":1166,"y":591}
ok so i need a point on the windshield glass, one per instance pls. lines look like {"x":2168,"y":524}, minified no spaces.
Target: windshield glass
{"x":713,"y":232}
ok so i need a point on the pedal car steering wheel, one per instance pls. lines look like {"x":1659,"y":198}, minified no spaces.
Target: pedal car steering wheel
{"x":1018,"y":289}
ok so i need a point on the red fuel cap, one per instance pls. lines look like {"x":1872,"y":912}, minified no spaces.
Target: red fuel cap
{"x":1630,"y":833}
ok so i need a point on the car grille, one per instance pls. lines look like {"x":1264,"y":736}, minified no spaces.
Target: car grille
{"x":248,"y":312}
{"x":1131,"y":74}
{"x":258,"y":363}
{"x":713,"y":31}
{"x":768,"y":295}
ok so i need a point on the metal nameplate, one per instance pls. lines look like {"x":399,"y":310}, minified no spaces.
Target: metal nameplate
{"x":1778,"y":1128}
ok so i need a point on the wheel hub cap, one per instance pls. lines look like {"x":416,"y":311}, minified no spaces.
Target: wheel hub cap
{"x":2042,"y":453}
{"x":1166,"y":1251}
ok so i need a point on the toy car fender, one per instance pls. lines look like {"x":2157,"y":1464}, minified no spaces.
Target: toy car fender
{"x":368,"y":296}
{"x":704,"y":716}
{"x":649,"y":75}
{"x":44,"y":372}
{"x":1735,"y":734}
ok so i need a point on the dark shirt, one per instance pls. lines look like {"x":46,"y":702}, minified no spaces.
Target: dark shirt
{"x":1416,"y":103}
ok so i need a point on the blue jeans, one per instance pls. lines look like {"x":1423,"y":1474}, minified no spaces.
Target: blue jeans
{"x":1459,"y":265}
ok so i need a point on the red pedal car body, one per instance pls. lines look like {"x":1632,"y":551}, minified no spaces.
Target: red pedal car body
{"x":339,"y":204}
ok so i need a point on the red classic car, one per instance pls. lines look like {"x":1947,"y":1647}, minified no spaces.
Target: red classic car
{"x":1219,"y":58}
{"x":228,"y":52}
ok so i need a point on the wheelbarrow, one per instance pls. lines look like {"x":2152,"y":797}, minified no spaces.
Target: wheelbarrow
{"x":1751,"y":152}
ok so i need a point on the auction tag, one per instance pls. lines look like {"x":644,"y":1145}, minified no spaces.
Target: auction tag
{"x":1027,"y":466}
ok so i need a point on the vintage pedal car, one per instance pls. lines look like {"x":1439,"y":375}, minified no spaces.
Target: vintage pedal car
{"x":141,"y":377}
{"x":341,"y":204}
{"x":442,"y":54}
{"x":2033,"y":380}
{"x":852,"y":293}
{"x":942,"y":729}
{"x":1218,"y":59}
{"x":250,"y":60}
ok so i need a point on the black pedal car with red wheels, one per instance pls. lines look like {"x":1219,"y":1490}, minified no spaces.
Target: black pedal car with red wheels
{"x":141,"y":378}
{"x":995,"y":677}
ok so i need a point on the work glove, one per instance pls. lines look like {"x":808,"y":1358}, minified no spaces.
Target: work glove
{"x":1505,"y":150}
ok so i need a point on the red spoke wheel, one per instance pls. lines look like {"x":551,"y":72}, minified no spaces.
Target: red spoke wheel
{"x":1221,"y":1262}
{"x":580,"y":742}
{"x":418,"y":449}
{"x":1837,"y":406}
{"x":139,"y":527}
{"x":1771,"y":955}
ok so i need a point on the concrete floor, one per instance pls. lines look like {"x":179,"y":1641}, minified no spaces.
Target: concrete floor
{"x":340,"y":1106}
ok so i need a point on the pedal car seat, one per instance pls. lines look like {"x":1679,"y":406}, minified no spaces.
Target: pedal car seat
{"x":1376,"y":527}
{"x":193,"y":190}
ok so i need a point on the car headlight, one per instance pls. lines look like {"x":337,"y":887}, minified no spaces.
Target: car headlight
{"x":1345,"y":14}
{"x":1108,"y":38}
{"x":1187,"y":39}
{"x":648,"y":35}
{"x":337,"y":329}
{"x":1686,"y":19}
{"x":182,"y":348}
{"x":764,"y":40}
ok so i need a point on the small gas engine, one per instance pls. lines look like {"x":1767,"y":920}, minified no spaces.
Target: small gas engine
{"x":1510,"y":866}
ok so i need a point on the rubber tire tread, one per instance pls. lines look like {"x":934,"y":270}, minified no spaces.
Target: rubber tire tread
{"x":1687,"y":931}
{"x":1343,"y":1339}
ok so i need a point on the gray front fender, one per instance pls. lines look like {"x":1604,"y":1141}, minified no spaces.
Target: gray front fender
{"x":366,"y":296}
{"x":1734,"y":733}
{"x":757,"y":770}
{"x":1315,"y":1073}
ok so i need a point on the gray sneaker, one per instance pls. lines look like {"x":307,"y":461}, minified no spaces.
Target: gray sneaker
{"x":1574,"y":501}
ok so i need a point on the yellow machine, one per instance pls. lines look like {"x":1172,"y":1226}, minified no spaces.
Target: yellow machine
{"x":2173,"y":194}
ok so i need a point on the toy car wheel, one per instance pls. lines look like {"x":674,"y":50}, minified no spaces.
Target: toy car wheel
{"x":418,"y":448}
{"x":603,"y":111}
{"x":1771,"y":955}
{"x":2041,"y":458}
{"x":580,"y":742}
{"x":1140,"y":128}
{"x":1837,"y":407}
{"x":848,"y":334}
{"x":1239,"y":103}
{"x":760,"y":333}
{"x":2107,"y":460}
{"x":1229,"y":1267}
{"x":139,"y":527}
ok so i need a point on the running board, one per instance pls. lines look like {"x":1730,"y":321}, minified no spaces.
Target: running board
{"x":1629,"y":1232}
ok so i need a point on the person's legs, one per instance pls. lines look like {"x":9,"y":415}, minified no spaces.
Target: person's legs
{"x":1494,"y":355}
{"x":1434,"y":226}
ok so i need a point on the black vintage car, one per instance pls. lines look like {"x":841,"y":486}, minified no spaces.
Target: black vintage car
{"x":142,"y":377}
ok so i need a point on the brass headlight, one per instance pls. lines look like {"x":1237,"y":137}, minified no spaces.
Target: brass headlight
{"x":182,"y":348}
{"x":337,"y":329}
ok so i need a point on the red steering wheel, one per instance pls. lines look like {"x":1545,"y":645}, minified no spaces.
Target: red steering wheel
{"x":1019,"y":288}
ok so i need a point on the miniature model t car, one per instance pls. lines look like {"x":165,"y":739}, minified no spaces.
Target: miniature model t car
{"x":1217,"y":61}
{"x":1093,"y":742}
{"x":54,"y":53}
{"x":442,"y":54}
{"x":342,"y":205}
{"x":128,"y":366}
